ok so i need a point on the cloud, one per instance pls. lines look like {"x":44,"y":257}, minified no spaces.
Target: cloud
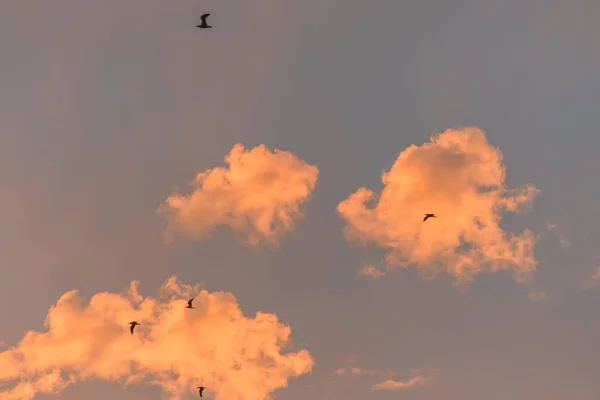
{"x":537,"y":296}
{"x":392,"y":385}
{"x":370,"y":271}
{"x":418,"y":379}
{"x":460,"y":177}
{"x":174,"y":348}
{"x":258,"y":195}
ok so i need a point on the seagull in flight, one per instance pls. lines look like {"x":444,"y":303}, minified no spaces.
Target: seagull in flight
{"x":133,"y":324}
{"x":429,"y":216}
{"x":200,"y":390}
{"x":190,"y":303}
{"x":204,"y":25}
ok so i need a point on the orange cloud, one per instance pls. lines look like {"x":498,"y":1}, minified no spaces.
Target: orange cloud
{"x":174,"y":348}
{"x":258,"y":196}
{"x":460,"y":177}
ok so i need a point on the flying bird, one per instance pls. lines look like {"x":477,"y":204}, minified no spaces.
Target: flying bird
{"x":429,"y":216}
{"x":133,"y":324}
{"x":204,"y":25}
{"x":190,"y":303}
{"x":200,"y":390}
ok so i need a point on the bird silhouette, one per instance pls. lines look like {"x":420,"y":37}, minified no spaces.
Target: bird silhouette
{"x":190,"y":303}
{"x":200,"y":390}
{"x":204,"y":25}
{"x":429,"y":216}
{"x":133,"y":324}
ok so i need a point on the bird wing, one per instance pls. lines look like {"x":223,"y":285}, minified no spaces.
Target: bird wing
{"x":190,"y":301}
{"x":203,"y":17}
{"x":425,"y":219}
{"x":131,"y":329}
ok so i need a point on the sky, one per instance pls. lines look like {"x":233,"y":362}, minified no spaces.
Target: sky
{"x":277,"y":168}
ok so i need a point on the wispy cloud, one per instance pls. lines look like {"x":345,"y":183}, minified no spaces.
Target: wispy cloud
{"x":420,"y":378}
{"x":370,"y":271}
{"x":537,"y":296}
{"x":174,"y":348}
{"x":392,"y":385}
{"x":258,"y":195}
{"x":355,"y":371}
{"x":460,"y":177}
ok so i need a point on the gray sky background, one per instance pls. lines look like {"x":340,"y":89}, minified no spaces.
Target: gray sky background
{"x":107,"y":106}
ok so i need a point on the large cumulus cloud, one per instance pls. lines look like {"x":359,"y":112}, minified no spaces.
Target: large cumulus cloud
{"x":460,"y":177}
{"x":177,"y":349}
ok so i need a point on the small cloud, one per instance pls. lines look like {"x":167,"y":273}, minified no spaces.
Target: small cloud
{"x":370,"y":271}
{"x":460,"y":177}
{"x":393,"y":385}
{"x":258,"y":195}
{"x":537,"y":296}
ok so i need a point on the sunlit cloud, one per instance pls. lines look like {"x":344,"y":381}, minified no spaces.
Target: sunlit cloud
{"x":214,"y":345}
{"x":460,"y":177}
{"x":258,"y":195}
